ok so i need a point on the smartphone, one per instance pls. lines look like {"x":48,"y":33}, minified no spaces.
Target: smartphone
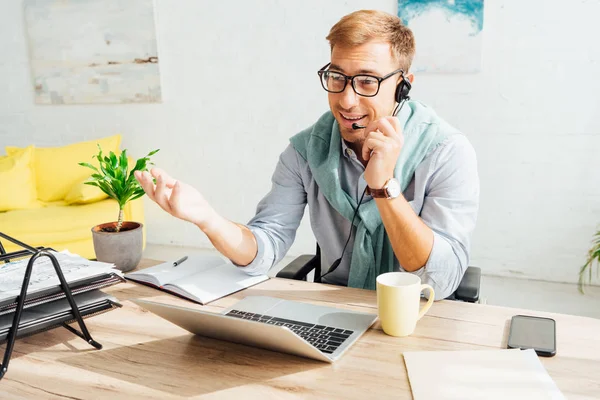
{"x":530,"y":332}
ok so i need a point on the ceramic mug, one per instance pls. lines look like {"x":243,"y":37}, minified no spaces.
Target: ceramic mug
{"x":398,"y":299}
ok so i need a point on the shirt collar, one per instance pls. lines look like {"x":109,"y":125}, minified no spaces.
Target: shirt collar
{"x":347,"y":151}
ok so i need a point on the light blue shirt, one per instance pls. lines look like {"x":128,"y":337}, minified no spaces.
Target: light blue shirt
{"x":444,"y":193}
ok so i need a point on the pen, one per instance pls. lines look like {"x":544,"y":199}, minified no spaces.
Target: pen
{"x":182,"y":259}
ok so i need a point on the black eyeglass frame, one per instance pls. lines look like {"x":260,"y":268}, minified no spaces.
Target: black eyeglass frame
{"x":351,"y":78}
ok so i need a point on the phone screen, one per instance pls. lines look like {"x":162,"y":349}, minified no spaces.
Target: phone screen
{"x":528,"y":332}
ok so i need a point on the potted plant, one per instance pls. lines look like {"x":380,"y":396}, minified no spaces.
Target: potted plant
{"x":593,"y":257}
{"x":119,"y":242}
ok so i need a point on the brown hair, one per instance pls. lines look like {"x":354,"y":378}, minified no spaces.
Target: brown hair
{"x":362,"y":26}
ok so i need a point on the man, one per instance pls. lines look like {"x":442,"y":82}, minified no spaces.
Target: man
{"x":414,"y":176}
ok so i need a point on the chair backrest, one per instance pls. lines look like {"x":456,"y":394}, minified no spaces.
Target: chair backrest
{"x":468,"y":290}
{"x":317,"y":261}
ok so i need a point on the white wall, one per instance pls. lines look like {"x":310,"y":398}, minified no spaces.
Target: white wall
{"x":240,"y":77}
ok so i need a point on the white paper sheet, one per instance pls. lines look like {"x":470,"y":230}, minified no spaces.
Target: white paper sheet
{"x":44,"y":276}
{"x":479,"y":374}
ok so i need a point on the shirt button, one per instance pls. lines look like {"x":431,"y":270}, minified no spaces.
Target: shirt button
{"x":349,"y":152}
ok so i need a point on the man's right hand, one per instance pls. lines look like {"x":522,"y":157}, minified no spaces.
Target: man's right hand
{"x":177,"y":198}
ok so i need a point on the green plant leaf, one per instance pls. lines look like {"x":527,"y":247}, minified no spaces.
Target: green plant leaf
{"x":123,"y":164}
{"x":105,"y":166}
{"x":137,"y":196}
{"x":593,"y":258}
{"x":84,"y":164}
{"x":107,"y":189}
{"x":114,"y":177}
{"x":113,"y":160}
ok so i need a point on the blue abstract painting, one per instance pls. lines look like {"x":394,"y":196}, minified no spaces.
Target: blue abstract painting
{"x":93,"y":51}
{"x":448,"y":33}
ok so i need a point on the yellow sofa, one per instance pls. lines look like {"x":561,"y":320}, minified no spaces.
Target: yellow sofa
{"x":44,"y":202}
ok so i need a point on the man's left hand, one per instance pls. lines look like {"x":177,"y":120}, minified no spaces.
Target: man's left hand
{"x":381,"y":150}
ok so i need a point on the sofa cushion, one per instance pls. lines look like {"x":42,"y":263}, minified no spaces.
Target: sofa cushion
{"x":63,"y":227}
{"x":17,"y":181}
{"x":57,"y":222}
{"x":84,"y":194}
{"x":57,"y":169}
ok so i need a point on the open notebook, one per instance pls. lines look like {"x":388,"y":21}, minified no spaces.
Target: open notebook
{"x":201,"y":278}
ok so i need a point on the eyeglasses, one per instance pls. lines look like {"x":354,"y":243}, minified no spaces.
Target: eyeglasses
{"x":363,"y":84}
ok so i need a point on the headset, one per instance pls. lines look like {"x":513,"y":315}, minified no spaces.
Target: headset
{"x":401,"y":96}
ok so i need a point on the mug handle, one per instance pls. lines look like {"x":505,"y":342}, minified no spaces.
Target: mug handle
{"x":429,"y":302}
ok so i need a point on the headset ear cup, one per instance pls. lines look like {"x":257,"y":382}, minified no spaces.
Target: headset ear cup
{"x":402,"y":90}
{"x":406,"y":88}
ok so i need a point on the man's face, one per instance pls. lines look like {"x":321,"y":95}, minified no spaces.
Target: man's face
{"x":373,"y":58}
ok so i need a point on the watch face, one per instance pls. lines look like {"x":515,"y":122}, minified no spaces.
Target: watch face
{"x":393,"y":188}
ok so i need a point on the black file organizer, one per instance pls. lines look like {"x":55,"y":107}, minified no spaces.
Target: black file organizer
{"x":35,"y":254}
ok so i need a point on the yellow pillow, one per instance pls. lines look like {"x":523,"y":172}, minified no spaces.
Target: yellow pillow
{"x":57,"y":169}
{"x":17,"y":181}
{"x":84,"y":194}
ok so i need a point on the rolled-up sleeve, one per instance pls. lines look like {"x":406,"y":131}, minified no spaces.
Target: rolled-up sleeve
{"x":450,"y":209}
{"x":278,"y":214}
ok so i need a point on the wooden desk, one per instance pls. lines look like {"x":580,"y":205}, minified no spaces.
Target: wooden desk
{"x":149,"y":358}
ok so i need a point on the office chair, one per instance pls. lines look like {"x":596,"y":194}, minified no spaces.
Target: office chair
{"x":468,"y":289}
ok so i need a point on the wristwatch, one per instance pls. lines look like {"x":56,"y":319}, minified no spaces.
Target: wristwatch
{"x":390,"y":190}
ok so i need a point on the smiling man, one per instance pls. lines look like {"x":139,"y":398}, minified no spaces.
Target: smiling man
{"x":390,"y":185}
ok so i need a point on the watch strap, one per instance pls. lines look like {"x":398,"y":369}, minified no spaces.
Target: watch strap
{"x":377,"y":193}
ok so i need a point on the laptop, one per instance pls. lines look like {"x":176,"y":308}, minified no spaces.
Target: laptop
{"x":305,"y":330}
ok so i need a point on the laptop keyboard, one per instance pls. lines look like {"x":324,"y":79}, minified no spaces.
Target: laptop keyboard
{"x":325,"y":338}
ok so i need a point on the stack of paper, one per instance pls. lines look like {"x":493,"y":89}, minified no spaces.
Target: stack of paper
{"x":46,"y":306}
{"x":485,"y":374}
{"x":81,"y":274}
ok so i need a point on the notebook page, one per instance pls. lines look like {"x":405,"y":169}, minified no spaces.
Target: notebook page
{"x":479,"y":374}
{"x":164,"y":273}
{"x":215,"y":283}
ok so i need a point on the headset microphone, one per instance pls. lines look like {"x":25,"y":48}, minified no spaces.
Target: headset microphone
{"x":356,"y":126}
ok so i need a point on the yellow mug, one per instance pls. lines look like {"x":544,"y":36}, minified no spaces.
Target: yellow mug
{"x":398,"y":298}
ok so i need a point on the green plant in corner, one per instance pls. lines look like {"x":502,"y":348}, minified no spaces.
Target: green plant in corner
{"x":116,"y":180}
{"x":593,"y":258}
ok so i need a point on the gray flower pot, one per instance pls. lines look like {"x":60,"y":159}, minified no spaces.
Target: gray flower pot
{"x":124,"y":248}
